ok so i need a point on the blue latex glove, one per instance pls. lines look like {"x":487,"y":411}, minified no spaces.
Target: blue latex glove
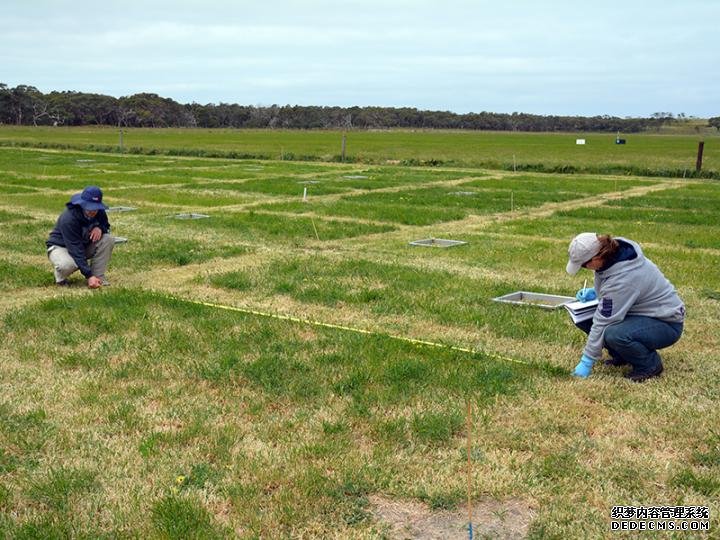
{"x":584,"y":367}
{"x":586,"y":294}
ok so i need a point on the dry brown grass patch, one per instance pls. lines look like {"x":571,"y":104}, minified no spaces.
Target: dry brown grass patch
{"x":508,"y":519}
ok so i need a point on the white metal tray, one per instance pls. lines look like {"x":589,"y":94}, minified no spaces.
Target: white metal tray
{"x":541,"y":300}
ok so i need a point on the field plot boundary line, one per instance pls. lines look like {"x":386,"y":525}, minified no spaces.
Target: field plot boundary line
{"x":328,"y":217}
{"x":9,"y":145}
{"x":323,"y":324}
{"x":480,"y":221}
{"x":353,"y":192}
{"x":473,"y":220}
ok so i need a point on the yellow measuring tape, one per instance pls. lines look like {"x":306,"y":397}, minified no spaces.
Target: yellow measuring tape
{"x":351,"y":329}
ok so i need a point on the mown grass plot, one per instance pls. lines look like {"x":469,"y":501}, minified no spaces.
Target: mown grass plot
{"x":199,"y":407}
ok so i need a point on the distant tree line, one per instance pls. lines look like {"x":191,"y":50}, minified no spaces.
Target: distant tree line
{"x":26,"y":105}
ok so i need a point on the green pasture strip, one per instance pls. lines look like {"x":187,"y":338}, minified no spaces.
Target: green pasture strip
{"x":11,"y":217}
{"x":237,"y":185}
{"x":378,"y":289}
{"x":86,"y":166}
{"x":65,"y":162}
{"x":142,"y":253}
{"x":390,"y":213}
{"x":219,"y":169}
{"x":289,"y":185}
{"x":153,"y":247}
{"x":255,"y":227}
{"x":380,"y":181}
{"x":7,"y":189}
{"x":395,"y":176}
{"x":403,"y":175}
{"x":652,"y":216}
{"x":427,"y":205}
{"x":251,"y":168}
{"x":200,"y":172}
{"x":644,"y":154}
{"x":681,"y":253}
{"x":185,"y":196}
{"x":183,"y":167}
{"x":26,"y":236}
{"x":151,"y":414}
{"x":682,"y":200}
{"x":30,"y":183}
{"x":43,"y":201}
{"x":156,"y":238}
{"x":336,"y":181}
{"x":503,"y":252}
{"x":641,"y":224}
{"x":24,"y":166}
{"x":164,"y":178}
{"x":377,"y":178}
{"x":691,"y":198}
{"x":319,"y":323}
{"x":126,"y":196}
{"x":578,"y":185}
{"x":14,"y":275}
{"x":34,"y":162}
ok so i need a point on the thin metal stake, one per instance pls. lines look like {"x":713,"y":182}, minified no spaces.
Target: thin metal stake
{"x":469,"y":469}
{"x":314,"y":228}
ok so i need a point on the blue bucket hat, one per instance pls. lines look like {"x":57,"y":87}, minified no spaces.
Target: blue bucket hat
{"x":90,"y":199}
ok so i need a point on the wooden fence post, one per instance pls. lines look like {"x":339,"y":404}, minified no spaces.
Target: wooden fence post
{"x":698,"y":165}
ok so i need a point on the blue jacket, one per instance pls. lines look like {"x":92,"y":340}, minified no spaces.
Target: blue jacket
{"x":72,"y":231}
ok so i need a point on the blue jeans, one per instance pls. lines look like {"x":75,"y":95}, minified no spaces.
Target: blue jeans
{"x":637,"y":339}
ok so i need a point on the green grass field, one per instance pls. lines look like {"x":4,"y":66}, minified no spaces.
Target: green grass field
{"x":290,"y":367}
{"x":645,"y":153}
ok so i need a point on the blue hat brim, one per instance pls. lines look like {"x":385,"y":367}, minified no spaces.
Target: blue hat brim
{"x":87,"y":205}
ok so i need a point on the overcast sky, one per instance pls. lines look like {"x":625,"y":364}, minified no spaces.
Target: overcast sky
{"x":622,"y":58}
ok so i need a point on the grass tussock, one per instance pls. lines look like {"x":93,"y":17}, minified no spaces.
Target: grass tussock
{"x":287,"y":410}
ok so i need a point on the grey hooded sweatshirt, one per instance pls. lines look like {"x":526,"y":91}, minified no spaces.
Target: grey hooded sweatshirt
{"x":631,"y":286}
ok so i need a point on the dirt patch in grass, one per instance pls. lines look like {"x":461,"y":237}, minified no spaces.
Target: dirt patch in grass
{"x":491,"y":519}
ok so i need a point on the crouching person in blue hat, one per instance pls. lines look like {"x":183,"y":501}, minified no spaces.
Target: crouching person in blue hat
{"x":639,"y":310}
{"x":81,"y":239}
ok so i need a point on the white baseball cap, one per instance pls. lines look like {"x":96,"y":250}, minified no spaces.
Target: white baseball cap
{"x":582,"y":248}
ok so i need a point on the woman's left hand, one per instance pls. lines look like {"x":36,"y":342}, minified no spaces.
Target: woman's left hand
{"x":584,"y":367}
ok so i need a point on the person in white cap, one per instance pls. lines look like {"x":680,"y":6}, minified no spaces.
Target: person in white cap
{"x":81,"y":239}
{"x":639,"y":310}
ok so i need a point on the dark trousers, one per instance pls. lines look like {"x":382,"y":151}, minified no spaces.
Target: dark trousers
{"x":636,"y":340}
